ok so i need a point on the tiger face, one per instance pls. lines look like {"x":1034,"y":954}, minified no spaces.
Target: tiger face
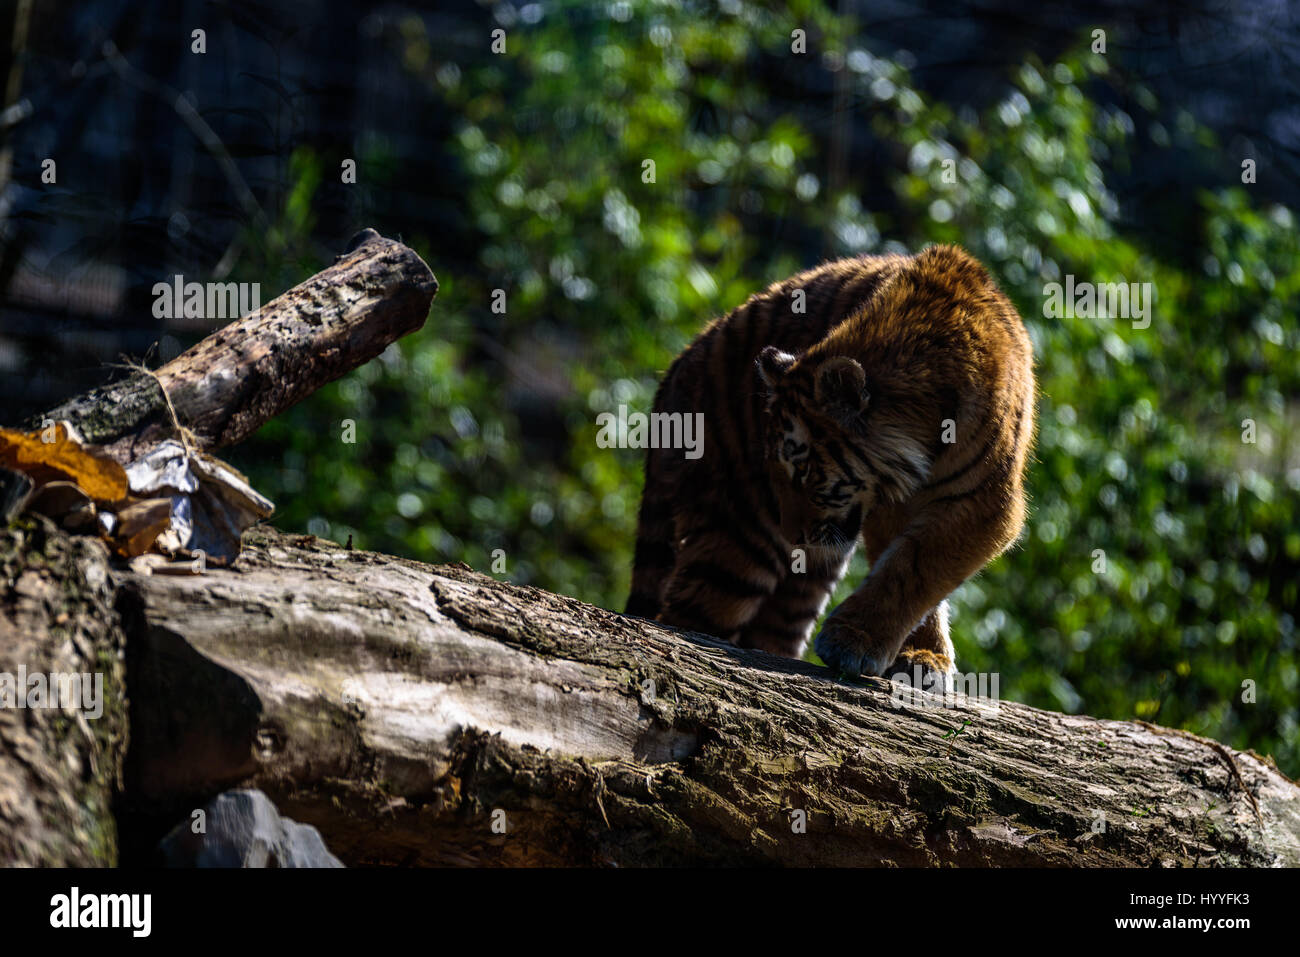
{"x":812,"y":437}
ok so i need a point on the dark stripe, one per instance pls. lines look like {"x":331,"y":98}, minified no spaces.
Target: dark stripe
{"x":746,"y":393}
{"x":850,"y":296}
{"x":807,"y":587}
{"x":961,"y":472}
{"x":690,"y":616}
{"x":863,"y":458}
{"x":999,"y":466}
{"x":827,"y":300}
{"x":853,"y":523}
{"x":790,"y":617}
{"x":834,"y":451}
{"x":747,"y":350}
{"x":720,"y":417}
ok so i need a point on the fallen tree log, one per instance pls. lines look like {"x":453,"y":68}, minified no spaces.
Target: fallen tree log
{"x":431,"y":715}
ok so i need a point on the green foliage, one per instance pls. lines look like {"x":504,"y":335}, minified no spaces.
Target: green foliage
{"x":1158,"y":569}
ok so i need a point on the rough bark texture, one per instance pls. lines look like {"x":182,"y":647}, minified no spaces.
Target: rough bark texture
{"x":247,"y":372}
{"x":405,"y":709}
{"x":58,"y":770}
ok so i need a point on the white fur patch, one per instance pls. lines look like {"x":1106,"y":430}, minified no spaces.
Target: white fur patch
{"x":888,"y":447}
{"x":781,"y":360}
{"x":798,"y":434}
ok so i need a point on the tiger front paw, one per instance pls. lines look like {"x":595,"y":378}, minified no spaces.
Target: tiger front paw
{"x":849,"y":649}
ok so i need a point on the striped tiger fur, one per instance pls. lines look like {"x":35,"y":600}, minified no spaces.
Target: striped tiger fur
{"x":896,"y":409}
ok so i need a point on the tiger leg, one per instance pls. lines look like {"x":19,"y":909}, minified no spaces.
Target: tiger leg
{"x":653,"y":560}
{"x":928,"y":645}
{"x":943,"y":545}
{"x":927,"y":659}
{"x":786,"y":618}
{"x":721,"y":576}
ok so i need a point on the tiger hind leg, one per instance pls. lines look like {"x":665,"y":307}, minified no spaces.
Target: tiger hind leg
{"x":653,"y":560}
{"x":927,"y":658}
{"x":785,"y":619}
{"x":721,"y":575}
{"x":655,"y":555}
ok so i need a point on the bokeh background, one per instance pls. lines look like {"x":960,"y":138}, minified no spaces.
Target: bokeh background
{"x":522,"y":171}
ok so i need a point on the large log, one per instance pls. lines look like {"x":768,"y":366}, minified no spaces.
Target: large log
{"x":432,"y":715}
{"x":405,"y":710}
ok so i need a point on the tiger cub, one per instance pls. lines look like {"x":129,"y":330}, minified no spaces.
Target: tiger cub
{"x":896,"y":407}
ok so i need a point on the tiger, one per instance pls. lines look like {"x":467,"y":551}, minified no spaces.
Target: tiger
{"x":881,"y":400}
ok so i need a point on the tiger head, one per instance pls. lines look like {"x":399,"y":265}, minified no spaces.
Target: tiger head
{"x":815,"y":445}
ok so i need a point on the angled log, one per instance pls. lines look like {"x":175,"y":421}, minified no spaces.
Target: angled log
{"x":250,"y":370}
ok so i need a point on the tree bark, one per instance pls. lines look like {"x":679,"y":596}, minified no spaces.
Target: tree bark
{"x":249,"y":371}
{"x":405,"y":710}
{"x":59,"y":770}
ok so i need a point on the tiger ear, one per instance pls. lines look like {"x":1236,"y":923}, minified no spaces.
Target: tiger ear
{"x":772,"y":364}
{"x":841,"y":388}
